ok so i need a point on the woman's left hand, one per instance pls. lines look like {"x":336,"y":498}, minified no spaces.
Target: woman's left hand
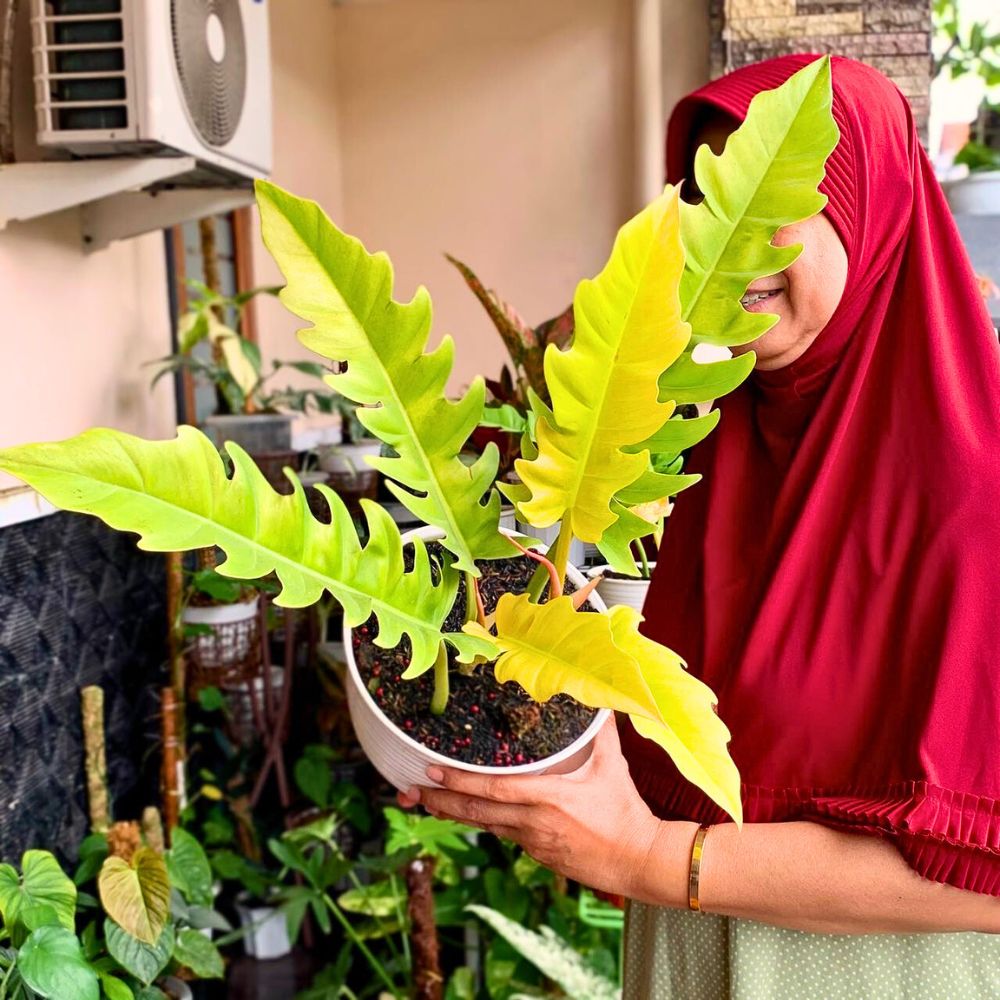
{"x":590,"y":825}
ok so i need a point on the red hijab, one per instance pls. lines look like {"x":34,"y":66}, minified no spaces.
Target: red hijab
{"x":836,"y":576}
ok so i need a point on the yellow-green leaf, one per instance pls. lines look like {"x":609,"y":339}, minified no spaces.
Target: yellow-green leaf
{"x":345,"y":293}
{"x":136,"y":895}
{"x":604,"y":387}
{"x":687,"y":726}
{"x":602,"y":661}
{"x":176,"y":496}
{"x":767,"y":177}
{"x":41,"y":888}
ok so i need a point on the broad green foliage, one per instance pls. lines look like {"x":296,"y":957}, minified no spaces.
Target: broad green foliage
{"x":194,"y":951}
{"x":604,"y":387}
{"x":346,"y":294}
{"x":176,"y":496}
{"x":553,"y":956}
{"x":190,"y":871}
{"x":767,"y":177}
{"x":144,"y":961}
{"x":603,"y":661}
{"x":42,"y":894}
{"x":51,"y":962}
{"x":136,"y":893}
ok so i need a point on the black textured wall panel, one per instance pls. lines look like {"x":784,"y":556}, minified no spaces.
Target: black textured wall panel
{"x":79,"y":604}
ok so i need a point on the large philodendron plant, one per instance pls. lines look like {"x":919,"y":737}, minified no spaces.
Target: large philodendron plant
{"x":674,"y":279}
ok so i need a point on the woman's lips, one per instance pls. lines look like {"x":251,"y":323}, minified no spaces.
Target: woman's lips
{"x":760,"y":301}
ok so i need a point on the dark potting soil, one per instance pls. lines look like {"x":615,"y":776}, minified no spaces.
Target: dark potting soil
{"x":497,"y":725}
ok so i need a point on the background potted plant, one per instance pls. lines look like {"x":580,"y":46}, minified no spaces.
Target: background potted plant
{"x":970,"y":49}
{"x":668,"y":286}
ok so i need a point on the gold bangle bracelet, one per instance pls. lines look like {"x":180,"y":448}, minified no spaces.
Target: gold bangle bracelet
{"x":697,"y":849}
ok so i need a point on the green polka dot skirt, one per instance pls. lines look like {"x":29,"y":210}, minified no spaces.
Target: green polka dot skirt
{"x":679,"y":955}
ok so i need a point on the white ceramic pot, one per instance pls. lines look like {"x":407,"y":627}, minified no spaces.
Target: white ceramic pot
{"x":403,"y":762}
{"x":176,"y":988}
{"x":314,"y":430}
{"x":977,"y":194}
{"x":631,"y":592}
{"x":266,"y":929}
{"x":206,"y":648}
{"x":348,"y":458}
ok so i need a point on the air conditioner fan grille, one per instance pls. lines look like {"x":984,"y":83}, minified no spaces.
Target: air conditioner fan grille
{"x":214,"y":89}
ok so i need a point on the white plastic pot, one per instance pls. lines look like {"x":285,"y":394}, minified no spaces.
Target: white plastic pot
{"x":348,"y":458}
{"x":222,"y":614}
{"x":631,"y":592}
{"x":403,"y":762}
{"x":266,"y":929}
{"x":977,"y":194}
{"x":314,"y":430}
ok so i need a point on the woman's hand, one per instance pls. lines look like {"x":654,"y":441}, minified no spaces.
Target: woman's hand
{"x":590,"y":826}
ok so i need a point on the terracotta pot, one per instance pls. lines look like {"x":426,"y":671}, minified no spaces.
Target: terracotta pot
{"x":403,"y":762}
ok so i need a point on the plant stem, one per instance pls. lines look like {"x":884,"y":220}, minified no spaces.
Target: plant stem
{"x":560,"y":551}
{"x":6,"y":976}
{"x":439,"y":700}
{"x":643,"y":561}
{"x":375,"y":964}
{"x":471,"y":611}
{"x":401,"y":917}
{"x":537,"y":583}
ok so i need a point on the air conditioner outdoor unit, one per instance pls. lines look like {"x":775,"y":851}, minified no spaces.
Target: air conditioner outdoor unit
{"x":156,"y":78}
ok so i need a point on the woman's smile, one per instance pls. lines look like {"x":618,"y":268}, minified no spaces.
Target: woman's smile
{"x":762,"y":300}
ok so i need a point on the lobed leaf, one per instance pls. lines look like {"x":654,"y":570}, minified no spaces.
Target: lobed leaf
{"x":688,"y":727}
{"x":604,"y":662}
{"x":176,"y":495}
{"x":767,"y":176}
{"x":604,"y":387}
{"x":345,"y":293}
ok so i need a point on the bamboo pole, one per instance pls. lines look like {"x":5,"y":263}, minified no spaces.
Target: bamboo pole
{"x":172,"y":776}
{"x":152,"y":828}
{"x":95,"y":758}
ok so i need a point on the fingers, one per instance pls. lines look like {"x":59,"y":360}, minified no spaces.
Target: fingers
{"x":475,"y":811}
{"x":524,"y":789}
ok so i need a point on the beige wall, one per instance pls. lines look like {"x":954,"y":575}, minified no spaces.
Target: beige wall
{"x":74,"y":331}
{"x":499,"y":130}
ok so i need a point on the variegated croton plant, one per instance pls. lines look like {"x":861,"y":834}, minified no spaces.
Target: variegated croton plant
{"x":674,"y":280}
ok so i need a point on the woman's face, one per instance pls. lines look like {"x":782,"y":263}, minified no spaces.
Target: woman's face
{"x":804,"y":295}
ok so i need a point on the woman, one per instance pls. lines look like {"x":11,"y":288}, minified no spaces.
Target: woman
{"x":834,"y":580}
